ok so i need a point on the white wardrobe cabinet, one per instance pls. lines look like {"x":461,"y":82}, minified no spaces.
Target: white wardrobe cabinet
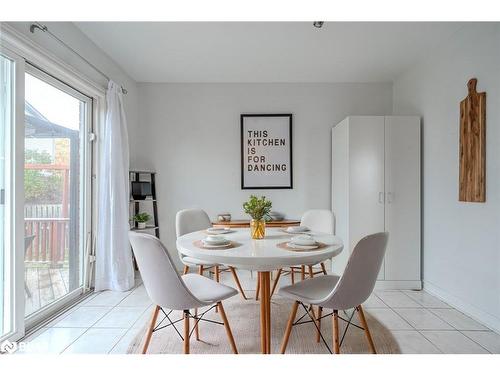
{"x":376,"y":187}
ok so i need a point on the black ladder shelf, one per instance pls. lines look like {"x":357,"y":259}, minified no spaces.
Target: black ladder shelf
{"x":136,"y":176}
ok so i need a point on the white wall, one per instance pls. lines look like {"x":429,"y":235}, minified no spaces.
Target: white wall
{"x":461,"y":241}
{"x":72,"y":36}
{"x":193,"y":141}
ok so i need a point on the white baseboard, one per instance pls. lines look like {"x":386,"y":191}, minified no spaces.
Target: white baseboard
{"x":398,"y":284}
{"x":490,"y":321}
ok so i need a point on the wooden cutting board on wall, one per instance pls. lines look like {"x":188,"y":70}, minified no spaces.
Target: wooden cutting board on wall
{"x":472,"y":175}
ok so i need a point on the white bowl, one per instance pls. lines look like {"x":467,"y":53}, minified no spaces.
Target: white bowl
{"x":303,"y":240}
{"x":215,"y":240}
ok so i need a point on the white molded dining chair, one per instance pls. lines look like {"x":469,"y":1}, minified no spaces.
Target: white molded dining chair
{"x":170,"y":291}
{"x":317,"y":220}
{"x":340,"y":293}
{"x":187,"y":221}
{"x":192,"y":220}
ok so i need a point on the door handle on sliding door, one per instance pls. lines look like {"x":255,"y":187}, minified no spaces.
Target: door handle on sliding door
{"x":381,"y":197}
{"x":390,"y":197}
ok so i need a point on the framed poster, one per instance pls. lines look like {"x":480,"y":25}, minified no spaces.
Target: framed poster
{"x":266,"y":151}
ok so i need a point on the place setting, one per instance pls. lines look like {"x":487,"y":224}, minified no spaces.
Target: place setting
{"x":215,"y":242}
{"x":302,"y":242}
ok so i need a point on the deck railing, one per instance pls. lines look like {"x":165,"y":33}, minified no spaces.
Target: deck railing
{"x":50,"y":242}
{"x":47,"y":225}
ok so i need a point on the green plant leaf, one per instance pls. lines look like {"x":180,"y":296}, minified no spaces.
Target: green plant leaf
{"x":257,"y":208}
{"x":142,"y":217}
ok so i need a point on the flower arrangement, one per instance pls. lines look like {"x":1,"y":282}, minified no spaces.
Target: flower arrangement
{"x":258,"y":209}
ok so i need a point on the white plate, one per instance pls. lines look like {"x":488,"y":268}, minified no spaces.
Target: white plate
{"x":308,"y":243}
{"x":211,"y":246}
{"x":301,"y":247}
{"x":301,"y":229}
{"x":218,"y":230}
{"x":293,"y":233}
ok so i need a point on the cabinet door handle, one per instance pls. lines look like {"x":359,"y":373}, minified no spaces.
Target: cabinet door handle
{"x":381,"y":197}
{"x":389,"y":197}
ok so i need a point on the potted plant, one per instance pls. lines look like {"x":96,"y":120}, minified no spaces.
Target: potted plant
{"x":141,"y":219}
{"x":258,"y":209}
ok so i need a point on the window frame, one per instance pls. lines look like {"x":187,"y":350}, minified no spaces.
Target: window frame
{"x":15,"y":264}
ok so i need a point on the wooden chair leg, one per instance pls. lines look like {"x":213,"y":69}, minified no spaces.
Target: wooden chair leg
{"x":186,"y":270}
{"x":237,"y":281}
{"x":150,"y":329}
{"x":217,"y":279}
{"x":289,"y":326}
{"x":186,"y":331}
{"x":217,"y":274}
{"x":275,"y":284}
{"x":320,"y":312}
{"x":311,"y":273}
{"x":323,"y":268}
{"x":197,"y":326}
{"x":227,"y":327}
{"x":335,"y":321}
{"x":292,"y":275}
{"x":257,"y":290}
{"x":302,"y":272}
{"x":313,"y":313}
{"x":364,"y":324}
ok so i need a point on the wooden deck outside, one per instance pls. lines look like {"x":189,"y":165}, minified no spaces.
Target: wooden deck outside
{"x":45,"y":284}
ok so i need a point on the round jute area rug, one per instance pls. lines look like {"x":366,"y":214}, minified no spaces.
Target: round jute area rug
{"x":244,"y":320}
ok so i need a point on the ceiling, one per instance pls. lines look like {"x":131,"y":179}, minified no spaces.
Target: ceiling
{"x":267,"y":51}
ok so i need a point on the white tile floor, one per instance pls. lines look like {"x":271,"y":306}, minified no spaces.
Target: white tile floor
{"x":107,"y":322}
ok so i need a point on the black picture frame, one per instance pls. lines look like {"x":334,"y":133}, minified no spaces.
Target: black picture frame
{"x":290,"y":121}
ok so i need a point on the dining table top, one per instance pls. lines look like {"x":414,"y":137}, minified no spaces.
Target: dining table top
{"x":260,"y":255}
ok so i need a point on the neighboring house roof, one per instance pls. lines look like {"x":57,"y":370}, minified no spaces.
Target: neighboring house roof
{"x":38,"y":126}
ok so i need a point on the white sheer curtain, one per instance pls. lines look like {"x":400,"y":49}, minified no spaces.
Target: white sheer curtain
{"x":114,"y":268}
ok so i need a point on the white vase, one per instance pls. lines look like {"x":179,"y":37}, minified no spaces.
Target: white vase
{"x":141,"y":225}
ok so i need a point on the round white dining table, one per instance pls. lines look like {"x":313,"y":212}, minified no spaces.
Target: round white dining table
{"x":263,"y":256}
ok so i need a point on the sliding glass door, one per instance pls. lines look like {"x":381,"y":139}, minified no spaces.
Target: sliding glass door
{"x":56,"y":174}
{"x":45,"y":191}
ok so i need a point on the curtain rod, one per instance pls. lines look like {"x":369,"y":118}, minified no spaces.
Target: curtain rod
{"x":43,"y":28}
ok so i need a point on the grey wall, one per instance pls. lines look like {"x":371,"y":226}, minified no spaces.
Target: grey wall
{"x":461,"y":241}
{"x":71,"y":35}
{"x":192,"y":139}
